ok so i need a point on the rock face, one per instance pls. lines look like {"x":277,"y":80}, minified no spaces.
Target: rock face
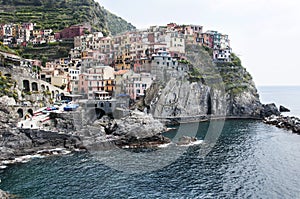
{"x":138,"y":125}
{"x":269,"y":109}
{"x":137,"y":130}
{"x":288,"y":123}
{"x":140,"y":130}
{"x":48,"y":139}
{"x":206,"y":89}
{"x":283,"y":109}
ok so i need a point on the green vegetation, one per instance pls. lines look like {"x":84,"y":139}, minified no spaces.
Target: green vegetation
{"x":209,"y":50}
{"x":7,"y":87}
{"x":182,"y":61}
{"x":116,"y":24}
{"x":46,"y":52}
{"x":232,"y":75}
{"x":7,"y":49}
{"x":58,"y":14}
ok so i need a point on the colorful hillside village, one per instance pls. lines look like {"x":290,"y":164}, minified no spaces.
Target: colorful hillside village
{"x":121,"y":64}
{"x":104,"y":68}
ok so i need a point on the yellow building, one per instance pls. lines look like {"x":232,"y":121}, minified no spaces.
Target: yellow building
{"x":123,"y":61}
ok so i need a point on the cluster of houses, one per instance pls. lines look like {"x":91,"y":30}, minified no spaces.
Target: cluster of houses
{"x":22,"y":34}
{"x":28,"y":33}
{"x":101,"y":67}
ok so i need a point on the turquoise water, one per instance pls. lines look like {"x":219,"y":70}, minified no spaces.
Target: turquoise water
{"x":249,"y":160}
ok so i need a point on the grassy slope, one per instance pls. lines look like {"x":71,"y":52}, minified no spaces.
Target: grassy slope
{"x":58,"y":14}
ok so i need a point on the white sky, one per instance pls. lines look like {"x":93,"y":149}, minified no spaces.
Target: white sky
{"x":264,"y":33}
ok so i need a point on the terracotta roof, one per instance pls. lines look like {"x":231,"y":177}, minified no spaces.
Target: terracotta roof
{"x":121,"y":72}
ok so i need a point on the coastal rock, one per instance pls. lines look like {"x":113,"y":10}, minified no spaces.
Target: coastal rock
{"x":288,"y":123}
{"x":4,"y":195}
{"x":147,"y":142}
{"x":183,"y":99}
{"x":269,"y":109}
{"x":205,"y":89}
{"x":139,"y":125}
{"x":137,"y":129}
{"x":110,"y":125}
{"x":185,"y":140}
{"x":52,"y":139}
{"x":283,"y":109}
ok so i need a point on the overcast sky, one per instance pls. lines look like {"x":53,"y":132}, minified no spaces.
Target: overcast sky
{"x":264,"y":33}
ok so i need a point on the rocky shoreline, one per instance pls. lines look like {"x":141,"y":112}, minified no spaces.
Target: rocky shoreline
{"x":74,"y":131}
{"x":284,"y":122}
{"x":67,"y":133}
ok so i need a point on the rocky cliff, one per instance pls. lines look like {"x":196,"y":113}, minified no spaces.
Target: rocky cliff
{"x":206,"y":89}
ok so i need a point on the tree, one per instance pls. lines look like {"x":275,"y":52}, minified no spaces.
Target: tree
{"x":44,"y":60}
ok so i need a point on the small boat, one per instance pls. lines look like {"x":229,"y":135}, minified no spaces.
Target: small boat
{"x":71,"y":107}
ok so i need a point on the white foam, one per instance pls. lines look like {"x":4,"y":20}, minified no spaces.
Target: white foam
{"x":164,"y":145}
{"x":193,"y":143}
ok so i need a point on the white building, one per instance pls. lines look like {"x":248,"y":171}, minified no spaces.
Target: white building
{"x":137,"y":84}
{"x":74,"y":80}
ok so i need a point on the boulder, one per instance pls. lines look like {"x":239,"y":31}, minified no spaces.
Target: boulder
{"x":283,"y":109}
{"x":4,"y":195}
{"x":139,"y":125}
{"x":185,"y":140}
{"x":288,"y":123}
{"x":268,"y":110}
{"x":134,"y":142}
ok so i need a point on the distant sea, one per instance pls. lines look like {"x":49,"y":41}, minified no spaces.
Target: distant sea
{"x":249,"y":160}
{"x":288,"y":96}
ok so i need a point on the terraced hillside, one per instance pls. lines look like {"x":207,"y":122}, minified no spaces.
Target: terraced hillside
{"x":58,"y":14}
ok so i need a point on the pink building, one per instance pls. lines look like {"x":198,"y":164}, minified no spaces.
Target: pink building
{"x":137,"y":84}
{"x":73,"y":31}
{"x":99,"y":79}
